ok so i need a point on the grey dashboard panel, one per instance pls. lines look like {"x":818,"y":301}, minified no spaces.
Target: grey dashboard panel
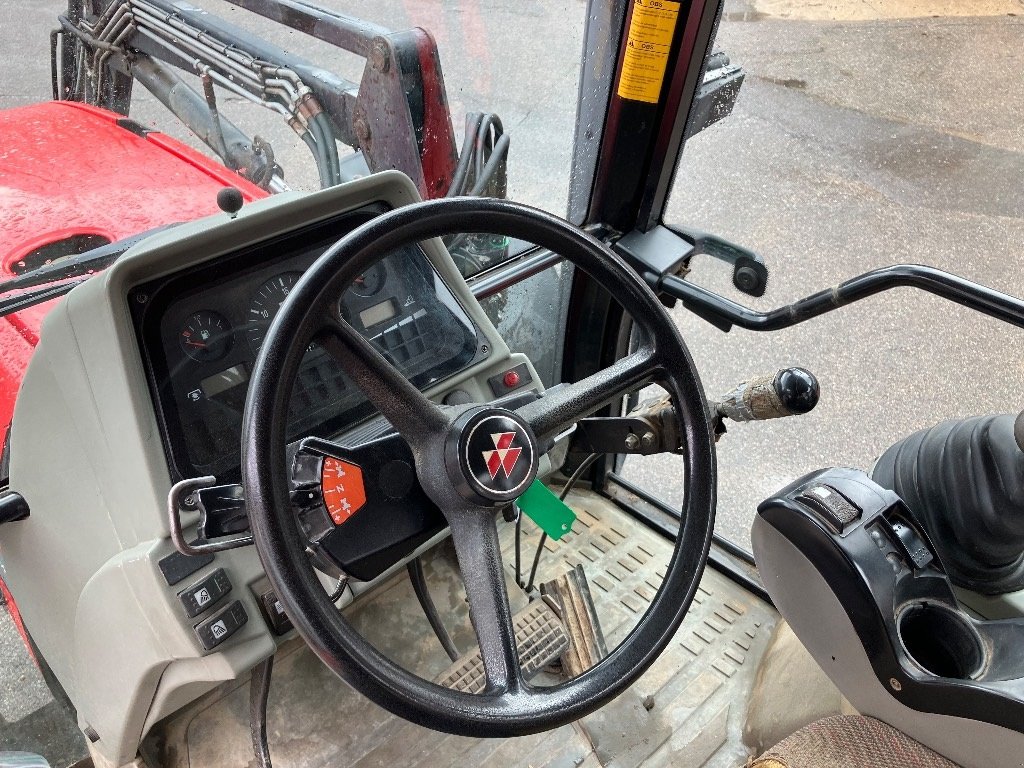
{"x":87,"y":453}
{"x":201,"y":329}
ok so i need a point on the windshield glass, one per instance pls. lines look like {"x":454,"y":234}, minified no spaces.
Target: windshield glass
{"x":339,"y":92}
{"x":865,"y":134}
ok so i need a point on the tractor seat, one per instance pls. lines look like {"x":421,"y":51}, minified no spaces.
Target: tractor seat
{"x":851,"y":741}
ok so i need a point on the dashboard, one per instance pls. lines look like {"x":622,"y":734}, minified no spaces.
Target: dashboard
{"x":201,"y":329}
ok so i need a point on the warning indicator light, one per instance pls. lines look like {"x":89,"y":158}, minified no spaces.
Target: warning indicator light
{"x":342,"y":486}
{"x":511,"y":379}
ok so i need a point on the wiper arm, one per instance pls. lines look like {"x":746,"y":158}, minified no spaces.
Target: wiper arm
{"x":83,"y":265}
{"x":13,"y":304}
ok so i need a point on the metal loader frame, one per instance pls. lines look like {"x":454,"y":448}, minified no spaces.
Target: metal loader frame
{"x":397,"y":116}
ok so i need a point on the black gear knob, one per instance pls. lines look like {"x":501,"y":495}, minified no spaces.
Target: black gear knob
{"x":798,"y":390}
{"x":788,"y":392}
{"x":1018,"y":430}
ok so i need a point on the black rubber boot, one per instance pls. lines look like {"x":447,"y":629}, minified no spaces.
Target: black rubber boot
{"x":964,"y":482}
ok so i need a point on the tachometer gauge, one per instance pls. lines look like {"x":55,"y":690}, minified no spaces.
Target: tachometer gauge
{"x":265,"y":303}
{"x":206,"y":336}
{"x":371,"y":281}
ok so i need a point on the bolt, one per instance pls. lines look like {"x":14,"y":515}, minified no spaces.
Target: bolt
{"x":380,"y":56}
{"x":895,"y":684}
{"x":647,"y":441}
{"x":745,"y":278}
{"x":141,"y":298}
{"x":632,"y":441}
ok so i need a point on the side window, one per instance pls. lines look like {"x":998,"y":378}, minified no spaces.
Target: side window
{"x":865,"y":134}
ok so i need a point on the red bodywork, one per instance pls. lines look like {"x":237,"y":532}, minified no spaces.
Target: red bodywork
{"x":71,"y":169}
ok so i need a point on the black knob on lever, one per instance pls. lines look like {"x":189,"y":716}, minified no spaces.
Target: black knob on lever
{"x":798,"y":390}
{"x":788,"y":392}
{"x":1018,"y":430}
{"x":230,"y":200}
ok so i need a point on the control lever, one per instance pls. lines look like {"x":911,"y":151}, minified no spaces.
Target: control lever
{"x":653,"y":427}
{"x":788,"y":392}
{"x":221,"y":514}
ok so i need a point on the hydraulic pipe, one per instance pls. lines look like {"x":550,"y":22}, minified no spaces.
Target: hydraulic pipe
{"x":192,"y":109}
{"x":346,"y":32}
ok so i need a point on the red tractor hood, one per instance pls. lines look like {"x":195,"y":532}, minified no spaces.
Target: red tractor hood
{"x":67,"y":171}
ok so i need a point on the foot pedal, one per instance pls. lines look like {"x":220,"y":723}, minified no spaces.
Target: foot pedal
{"x":571,"y":595}
{"x":540,"y":638}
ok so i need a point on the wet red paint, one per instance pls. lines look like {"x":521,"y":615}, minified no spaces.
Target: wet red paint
{"x":437,"y":150}
{"x":69,"y":169}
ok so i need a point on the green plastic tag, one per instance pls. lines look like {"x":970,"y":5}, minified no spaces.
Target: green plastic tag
{"x":549,"y":512}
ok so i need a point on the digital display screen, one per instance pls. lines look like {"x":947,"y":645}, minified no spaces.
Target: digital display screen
{"x":225,"y":380}
{"x":378,"y":313}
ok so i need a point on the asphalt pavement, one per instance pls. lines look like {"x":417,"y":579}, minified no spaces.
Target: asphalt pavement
{"x":854,"y":144}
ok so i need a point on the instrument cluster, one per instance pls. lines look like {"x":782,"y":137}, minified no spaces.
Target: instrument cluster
{"x":201,"y":330}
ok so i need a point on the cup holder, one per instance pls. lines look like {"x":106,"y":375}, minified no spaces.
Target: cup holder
{"x":941,"y":641}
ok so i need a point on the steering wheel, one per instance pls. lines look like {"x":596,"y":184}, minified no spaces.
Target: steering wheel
{"x":443,"y":442}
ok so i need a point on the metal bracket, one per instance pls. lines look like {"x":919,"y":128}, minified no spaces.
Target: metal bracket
{"x":184,"y":496}
{"x":652,"y":427}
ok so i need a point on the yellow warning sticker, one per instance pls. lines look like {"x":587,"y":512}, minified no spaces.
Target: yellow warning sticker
{"x":647,"y":47}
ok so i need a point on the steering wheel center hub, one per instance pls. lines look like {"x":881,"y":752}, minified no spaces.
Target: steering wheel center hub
{"x":491,"y":456}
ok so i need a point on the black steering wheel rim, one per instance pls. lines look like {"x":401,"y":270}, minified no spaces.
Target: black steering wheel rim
{"x":519,"y":709}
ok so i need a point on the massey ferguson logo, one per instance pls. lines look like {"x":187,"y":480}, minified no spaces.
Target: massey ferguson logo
{"x":504,"y":456}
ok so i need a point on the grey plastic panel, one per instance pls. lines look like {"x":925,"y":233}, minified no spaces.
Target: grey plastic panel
{"x":806,"y":601}
{"x":87,"y":454}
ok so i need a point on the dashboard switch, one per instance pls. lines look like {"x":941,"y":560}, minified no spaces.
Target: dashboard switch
{"x":510,"y":380}
{"x":204,"y":594}
{"x":222,"y":625}
{"x":830,"y":506}
{"x":911,"y":543}
{"x":271,"y":608}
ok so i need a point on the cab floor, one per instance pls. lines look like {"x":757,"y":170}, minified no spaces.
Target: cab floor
{"x":688,"y":709}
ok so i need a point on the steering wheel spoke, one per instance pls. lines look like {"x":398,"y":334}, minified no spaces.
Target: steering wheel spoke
{"x":475,"y":536}
{"x":409,"y":411}
{"x":564,"y":405}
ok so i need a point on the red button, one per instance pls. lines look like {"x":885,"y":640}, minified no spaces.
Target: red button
{"x":511,"y":379}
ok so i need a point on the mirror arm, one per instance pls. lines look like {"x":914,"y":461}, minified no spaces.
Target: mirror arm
{"x":725,"y":313}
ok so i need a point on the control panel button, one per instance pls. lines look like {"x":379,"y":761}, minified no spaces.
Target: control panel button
{"x":831,"y":506}
{"x":911,"y":543}
{"x":274,"y":613}
{"x":270,"y":607}
{"x":510,"y":380}
{"x":204,"y":593}
{"x":222,"y":625}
